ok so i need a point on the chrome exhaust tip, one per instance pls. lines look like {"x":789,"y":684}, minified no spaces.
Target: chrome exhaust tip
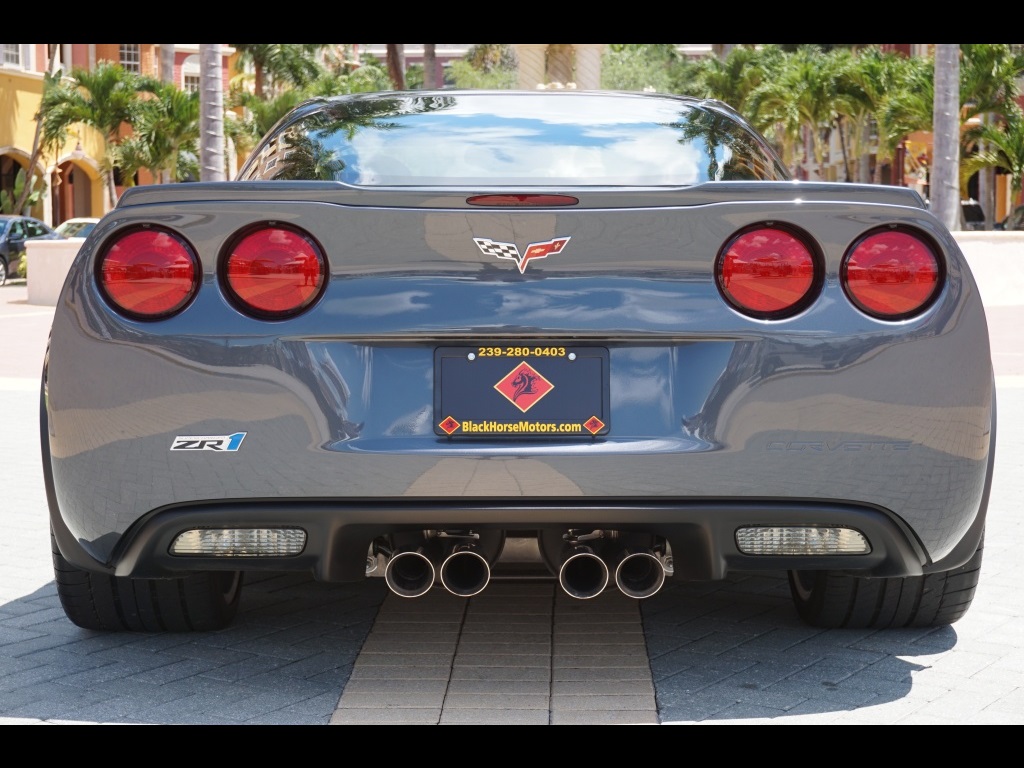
{"x":639,"y":574}
{"x":409,"y":574}
{"x":465,"y":572}
{"x":583,"y":575}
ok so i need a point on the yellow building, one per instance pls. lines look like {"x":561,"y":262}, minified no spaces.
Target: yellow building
{"x":71,"y":179}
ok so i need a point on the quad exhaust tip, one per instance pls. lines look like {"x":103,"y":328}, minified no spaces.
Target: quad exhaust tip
{"x":465,"y":572}
{"x":638,"y":575}
{"x":583,"y":575}
{"x":409,"y":574}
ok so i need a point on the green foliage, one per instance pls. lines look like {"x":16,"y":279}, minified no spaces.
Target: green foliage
{"x":638,"y":68}
{"x":280,"y":66}
{"x":996,"y":145}
{"x":485,"y":66}
{"x":8,"y":200}
{"x":490,"y":58}
{"x":165,"y":136}
{"x":462,"y":74}
{"x":414,"y":76}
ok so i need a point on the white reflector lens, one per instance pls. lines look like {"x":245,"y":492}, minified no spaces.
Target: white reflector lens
{"x":240,"y":542}
{"x":801,"y":540}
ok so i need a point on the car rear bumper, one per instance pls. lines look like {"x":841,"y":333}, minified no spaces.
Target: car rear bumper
{"x":701,"y":534}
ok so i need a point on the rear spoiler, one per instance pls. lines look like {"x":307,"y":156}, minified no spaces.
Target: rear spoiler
{"x":339,"y":193}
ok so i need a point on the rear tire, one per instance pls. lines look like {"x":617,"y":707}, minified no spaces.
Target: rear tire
{"x":835,"y":600}
{"x":195,"y":603}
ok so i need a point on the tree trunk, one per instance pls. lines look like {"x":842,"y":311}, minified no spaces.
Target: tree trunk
{"x":429,"y":66}
{"x":944,"y":185}
{"x":864,"y":159}
{"x":211,"y":113}
{"x":396,"y":65}
{"x":51,"y":52}
{"x":987,"y":184}
{"x":166,"y":76}
{"x":167,"y":62}
{"x":842,"y":146}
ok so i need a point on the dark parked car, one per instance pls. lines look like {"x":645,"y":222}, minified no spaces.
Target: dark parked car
{"x":14,"y":231}
{"x":450,"y":337}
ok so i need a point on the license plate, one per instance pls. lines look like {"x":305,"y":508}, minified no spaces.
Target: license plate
{"x":519,"y":390}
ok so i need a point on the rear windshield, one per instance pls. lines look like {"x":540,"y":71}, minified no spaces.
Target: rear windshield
{"x":544,"y":139}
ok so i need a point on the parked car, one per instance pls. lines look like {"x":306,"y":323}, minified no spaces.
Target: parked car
{"x":14,"y":231}
{"x":77,"y":227}
{"x":1013,"y":221}
{"x":447,"y":337}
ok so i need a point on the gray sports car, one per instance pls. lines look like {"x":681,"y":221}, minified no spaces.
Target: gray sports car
{"x":448,"y":337}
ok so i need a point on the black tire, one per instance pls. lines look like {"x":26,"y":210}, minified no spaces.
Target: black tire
{"x":3,"y":271}
{"x":834,"y":600}
{"x":195,"y":603}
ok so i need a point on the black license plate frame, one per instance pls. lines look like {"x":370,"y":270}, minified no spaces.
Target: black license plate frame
{"x":521,"y":389}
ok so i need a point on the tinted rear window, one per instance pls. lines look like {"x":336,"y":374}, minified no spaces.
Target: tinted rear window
{"x":525,"y":139}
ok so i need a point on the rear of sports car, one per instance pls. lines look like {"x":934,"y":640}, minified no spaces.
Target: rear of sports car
{"x":561,"y":362}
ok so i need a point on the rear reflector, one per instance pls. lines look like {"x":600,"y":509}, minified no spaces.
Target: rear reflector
{"x":891,"y":274}
{"x":240,"y":542}
{"x":801,"y":540}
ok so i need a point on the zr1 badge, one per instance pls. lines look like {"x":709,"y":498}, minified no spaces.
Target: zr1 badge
{"x":208,"y":442}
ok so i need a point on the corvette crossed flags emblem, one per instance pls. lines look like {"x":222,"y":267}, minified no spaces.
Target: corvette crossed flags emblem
{"x":509,"y":250}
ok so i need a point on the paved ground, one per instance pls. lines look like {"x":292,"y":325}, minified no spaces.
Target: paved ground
{"x":519,"y":653}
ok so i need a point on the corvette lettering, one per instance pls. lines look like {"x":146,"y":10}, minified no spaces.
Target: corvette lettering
{"x":208,"y":442}
{"x":818,"y":446}
{"x":510,"y":251}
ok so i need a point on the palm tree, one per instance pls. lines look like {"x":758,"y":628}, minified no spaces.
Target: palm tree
{"x":1004,"y":148}
{"x":430,"y":66}
{"x":42,"y":142}
{"x":803,"y":98}
{"x":875,"y":78}
{"x":989,"y":91}
{"x":277,"y":66}
{"x":396,"y":65}
{"x":733,"y":78}
{"x":211,"y":113}
{"x":944,"y":185}
{"x":105,"y":98}
{"x":164,"y":137}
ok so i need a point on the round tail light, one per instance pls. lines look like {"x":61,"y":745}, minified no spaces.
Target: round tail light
{"x":768,"y":272}
{"x":148,"y":273}
{"x":891,"y":274}
{"x":275,"y":271}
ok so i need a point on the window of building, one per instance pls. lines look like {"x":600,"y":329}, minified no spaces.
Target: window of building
{"x":11,"y":54}
{"x":131,"y":59}
{"x":190,"y":71}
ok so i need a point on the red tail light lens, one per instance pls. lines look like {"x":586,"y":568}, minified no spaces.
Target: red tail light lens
{"x":275,"y":271}
{"x":891,"y":274}
{"x":768,"y":272}
{"x":149,"y":273}
{"x":523,"y":200}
